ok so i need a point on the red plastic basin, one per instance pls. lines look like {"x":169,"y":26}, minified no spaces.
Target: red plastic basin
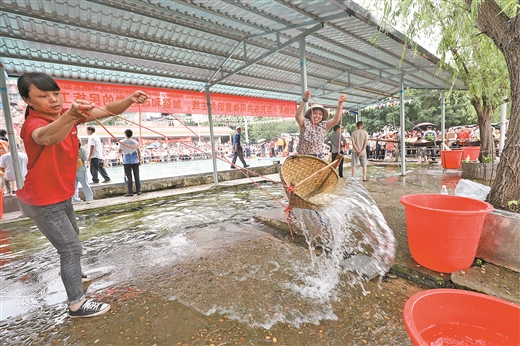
{"x":456,"y":317}
{"x":451,"y":159}
{"x":444,"y":230}
{"x":472,"y":152}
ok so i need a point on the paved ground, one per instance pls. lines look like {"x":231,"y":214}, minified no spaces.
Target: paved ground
{"x":185,"y":303}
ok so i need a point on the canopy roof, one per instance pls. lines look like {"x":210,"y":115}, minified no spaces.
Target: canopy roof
{"x":243,"y":47}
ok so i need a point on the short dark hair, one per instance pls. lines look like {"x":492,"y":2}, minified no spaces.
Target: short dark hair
{"x":3,"y":132}
{"x":91,"y":128}
{"x":129,"y":133}
{"x":39,"y":80}
{"x":359,"y":123}
{"x":335,"y":127}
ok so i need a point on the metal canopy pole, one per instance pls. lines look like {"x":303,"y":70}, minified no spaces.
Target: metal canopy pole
{"x":402,"y":124}
{"x":10,"y":130}
{"x":212,"y":137}
{"x":246,"y":130}
{"x":303,"y":67}
{"x":443,"y":119}
{"x":503,"y":110}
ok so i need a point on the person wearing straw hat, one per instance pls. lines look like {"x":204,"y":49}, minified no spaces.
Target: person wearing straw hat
{"x":314,"y":125}
{"x":50,"y":136}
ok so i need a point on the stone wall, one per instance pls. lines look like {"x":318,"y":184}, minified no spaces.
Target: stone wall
{"x":479,"y":170}
{"x":500,"y":239}
{"x":10,"y":203}
{"x":112,"y":190}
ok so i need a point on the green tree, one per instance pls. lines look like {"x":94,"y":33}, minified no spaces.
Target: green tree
{"x":480,"y":39}
{"x":271,"y":130}
{"x":427,"y":108}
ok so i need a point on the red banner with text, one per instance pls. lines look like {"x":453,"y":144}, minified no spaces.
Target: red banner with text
{"x":176,"y":101}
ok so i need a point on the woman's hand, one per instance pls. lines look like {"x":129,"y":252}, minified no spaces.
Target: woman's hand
{"x":139,"y":97}
{"x":306,"y":96}
{"x":81,"y":109}
{"x":343,"y":98}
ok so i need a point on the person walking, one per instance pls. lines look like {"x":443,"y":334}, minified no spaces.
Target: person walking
{"x":314,"y":125}
{"x":335,"y":139}
{"x":237,"y":149}
{"x":131,"y":162}
{"x":95,"y":157}
{"x":81,"y":177}
{"x":7,"y":169}
{"x":359,"y":139}
{"x":50,"y":136}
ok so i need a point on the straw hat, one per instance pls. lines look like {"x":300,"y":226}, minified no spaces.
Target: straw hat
{"x":317,"y":106}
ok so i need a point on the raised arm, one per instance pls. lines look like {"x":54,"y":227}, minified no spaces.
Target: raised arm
{"x":339,"y":110}
{"x":119,"y":106}
{"x":56,"y":131}
{"x":299,"y":112}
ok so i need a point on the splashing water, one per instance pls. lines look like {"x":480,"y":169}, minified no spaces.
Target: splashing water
{"x":349,"y":236}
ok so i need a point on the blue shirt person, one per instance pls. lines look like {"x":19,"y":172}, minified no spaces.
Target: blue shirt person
{"x":237,"y":149}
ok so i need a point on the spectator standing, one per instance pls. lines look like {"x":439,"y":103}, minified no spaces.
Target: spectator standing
{"x":279,"y":145}
{"x":81,"y":177}
{"x":346,"y":134}
{"x":4,"y":142}
{"x":131,"y":162}
{"x":314,"y":125}
{"x":50,"y":136}
{"x":95,"y":156}
{"x":291,"y":144}
{"x":359,"y":140}
{"x":430,"y":135}
{"x":333,"y":140}
{"x":237,"y":149}
{"x":7,"y":168}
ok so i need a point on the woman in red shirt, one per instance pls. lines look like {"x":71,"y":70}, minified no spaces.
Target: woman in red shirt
{"x":51,"y":141}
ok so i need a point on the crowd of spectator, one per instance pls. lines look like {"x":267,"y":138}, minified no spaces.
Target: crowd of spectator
{"x":381,"y":146}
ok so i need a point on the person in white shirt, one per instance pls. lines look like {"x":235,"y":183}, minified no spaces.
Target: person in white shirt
{"x":95,"y":156}
{"x":7,"y":167}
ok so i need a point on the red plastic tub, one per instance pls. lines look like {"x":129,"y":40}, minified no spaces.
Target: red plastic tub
{"x":451,"y":159}
{"x":472,"y":152}
{"x":444,"y":230}
{"x":456,"y":317}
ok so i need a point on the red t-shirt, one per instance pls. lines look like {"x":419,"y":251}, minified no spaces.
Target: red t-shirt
{"x":463,"y":135}
{"x":51,"y":170}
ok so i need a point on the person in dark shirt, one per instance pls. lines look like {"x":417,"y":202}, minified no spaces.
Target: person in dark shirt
{"x":238,"y":151}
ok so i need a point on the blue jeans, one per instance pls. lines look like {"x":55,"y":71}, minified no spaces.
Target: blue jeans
{"x":58,"y":223}
{"x":81,"y":177}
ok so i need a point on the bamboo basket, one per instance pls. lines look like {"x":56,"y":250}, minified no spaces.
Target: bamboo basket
{"x":296,"y":169}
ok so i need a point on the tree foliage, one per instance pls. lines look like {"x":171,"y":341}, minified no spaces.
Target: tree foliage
{"x":458,"y":111}
{"x":271,"y":130}
{"x":480,"y":40}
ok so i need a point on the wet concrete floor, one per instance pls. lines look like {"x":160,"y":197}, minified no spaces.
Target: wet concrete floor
{"x":197,"y":269}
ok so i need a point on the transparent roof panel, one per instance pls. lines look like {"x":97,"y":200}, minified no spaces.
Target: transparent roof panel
{"x":244,"y":47}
